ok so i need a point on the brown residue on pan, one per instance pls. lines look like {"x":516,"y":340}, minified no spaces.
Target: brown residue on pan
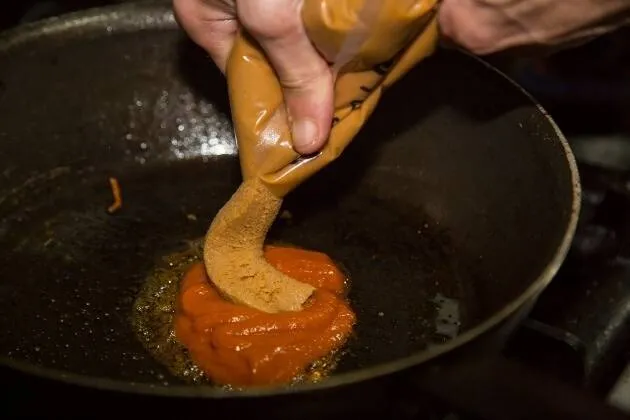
{"x":117,"y":204}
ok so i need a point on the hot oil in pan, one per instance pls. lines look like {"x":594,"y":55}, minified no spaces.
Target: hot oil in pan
{"x":409,"y":292}
{"x":154,"y":311}
{"x":79,"y":268}
{"x":154,"y":314}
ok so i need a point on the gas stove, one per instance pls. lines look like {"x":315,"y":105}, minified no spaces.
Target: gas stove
{"x":580,"y":327}
{"x":579,"y":330}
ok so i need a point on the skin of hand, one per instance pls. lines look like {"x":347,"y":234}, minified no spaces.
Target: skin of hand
{"x":489,"y":26}
{"x":276,"y":25}
{"x":480,"y":26}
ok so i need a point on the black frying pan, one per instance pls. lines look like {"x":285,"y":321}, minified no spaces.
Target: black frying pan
{"x":460,"y":187}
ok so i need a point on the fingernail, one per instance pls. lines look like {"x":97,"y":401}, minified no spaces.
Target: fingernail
{"x":304,"y":134}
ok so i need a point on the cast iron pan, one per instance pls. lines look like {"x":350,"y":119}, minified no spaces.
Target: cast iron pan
{"x":459,"y":188}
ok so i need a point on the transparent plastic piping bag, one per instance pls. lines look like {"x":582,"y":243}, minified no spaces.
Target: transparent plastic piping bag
{"x":370,"y":45}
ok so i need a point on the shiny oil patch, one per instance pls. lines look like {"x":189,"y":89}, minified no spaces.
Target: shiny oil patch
{"x":153,"y":321}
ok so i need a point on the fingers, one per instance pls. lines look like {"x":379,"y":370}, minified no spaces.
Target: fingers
{"x":211,"y":24}
{"x":305,"y":77}
{"x":489,"y":26}
{"x":471,"y":24}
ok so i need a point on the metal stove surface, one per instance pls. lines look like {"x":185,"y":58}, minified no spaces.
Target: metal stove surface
{"x":580,"y":328}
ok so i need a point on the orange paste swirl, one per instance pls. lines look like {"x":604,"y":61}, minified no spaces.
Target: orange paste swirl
{"x":241,"y":346}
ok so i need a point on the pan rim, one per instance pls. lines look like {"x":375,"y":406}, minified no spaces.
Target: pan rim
{"x":159,"y":16}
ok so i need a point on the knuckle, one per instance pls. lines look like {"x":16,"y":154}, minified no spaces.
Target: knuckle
{"x":271,"y":19}
{"x":474,"y":25}
{"x":477,"y":41}
{"x":181,"y":9}
{"x":475,"y":38}
{"x":302,"y":79}
{"x":200,"y":11}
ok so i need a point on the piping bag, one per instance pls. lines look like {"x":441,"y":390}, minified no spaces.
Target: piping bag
{"x":371,"y":44}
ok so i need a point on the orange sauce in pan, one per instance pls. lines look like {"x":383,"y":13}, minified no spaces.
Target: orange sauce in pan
{"x":240,"y":346}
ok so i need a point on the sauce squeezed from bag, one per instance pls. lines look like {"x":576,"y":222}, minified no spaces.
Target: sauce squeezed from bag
{"x":240,"y":346}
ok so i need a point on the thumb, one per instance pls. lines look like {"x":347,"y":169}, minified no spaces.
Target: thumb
{"x":304,"y":75}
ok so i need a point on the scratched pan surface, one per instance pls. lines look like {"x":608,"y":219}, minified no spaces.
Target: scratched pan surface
{"x":452,"y":201}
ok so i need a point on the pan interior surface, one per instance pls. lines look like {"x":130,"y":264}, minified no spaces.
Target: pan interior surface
{"x":450,"y":202}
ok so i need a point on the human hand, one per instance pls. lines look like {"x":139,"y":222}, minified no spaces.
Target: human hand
{"x":305,"y":77}
{"x":489,"y":26}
